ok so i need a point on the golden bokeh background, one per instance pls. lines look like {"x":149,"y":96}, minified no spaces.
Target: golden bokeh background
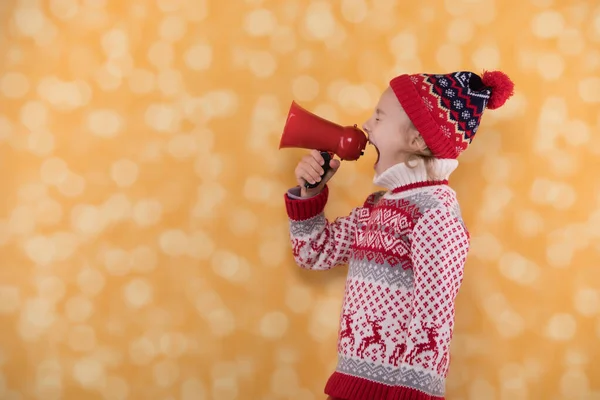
{"x":143,"y":236}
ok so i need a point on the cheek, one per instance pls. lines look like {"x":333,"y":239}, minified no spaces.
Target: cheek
{"x":390,"y":133}
{"x":392,"y":137}
{"x":401,"y":136}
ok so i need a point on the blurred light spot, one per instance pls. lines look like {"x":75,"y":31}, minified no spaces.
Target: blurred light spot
{"x":259,"y":22}
{"x":51,"y":288}
{"x":138,"y":293}
{"x":87,"y":220}
{"x":29,"y":20}
{"x":14,"y":85}
{"x":305,"y":88}
{"x":141,"y":81}
{"x":561,"y":327}
{"x":34,"y":115}
{"x":193,"y":389}
{"x":589,"y":90}
{"x":182,"y":146}
{"x":221,"y":322}
{"x":162,"y":117}
{"x":319,"y":21}
{"x":174,"y":242}
{"x":165,"y":373}
{"x":460,"y":31}
{"x":88,"y":372}
{"x":82,"y":338}
{"x":519,"y":269}
{"x":124,"y":172}
{"x":72,"y":186}
{"x":550,"y":66}
{"x":262,"y":64}
{"x":40,"y":250}
{"x":143,"y":259}
{"x":142,"y":351}
{"x":10,"y":299}
{"x":172,"y":28}
{"x":64,"y":9}
{"x":354,"y":11}
{"x":147,"y":212}
{"x":115,"y":43}
{"x":587,"y":301}
{"x":54,"y":171}
{"x":161,"y":54}
{"x":104,"y":123}
{"x":116,"y":388}
{"x":548,"y":24}
{"x":79,"y":308}
{"x":575,"y":384}
{"x":199,"y":57}
{"x":90,"y":281}
{"x":449,"y":57}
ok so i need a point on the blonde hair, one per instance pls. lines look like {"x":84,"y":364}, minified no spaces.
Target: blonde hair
{"x":428,"y":159}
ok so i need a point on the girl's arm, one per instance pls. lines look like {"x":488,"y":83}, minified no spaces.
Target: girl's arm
{"x":317,"y":243}
{"x":439,"y":249}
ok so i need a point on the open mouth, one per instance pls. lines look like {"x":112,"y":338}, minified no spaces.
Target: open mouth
{"x":376,"y":149}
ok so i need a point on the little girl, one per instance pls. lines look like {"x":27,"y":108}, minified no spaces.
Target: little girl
{"x":406,"y":246}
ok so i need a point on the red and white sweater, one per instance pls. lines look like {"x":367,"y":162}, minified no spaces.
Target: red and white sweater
{"x":405,"y":248}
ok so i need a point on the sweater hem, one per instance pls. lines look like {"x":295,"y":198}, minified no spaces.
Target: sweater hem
{"x":349,"y":387}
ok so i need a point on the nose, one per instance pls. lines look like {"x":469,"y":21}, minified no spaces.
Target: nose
{"x":365,"y":127}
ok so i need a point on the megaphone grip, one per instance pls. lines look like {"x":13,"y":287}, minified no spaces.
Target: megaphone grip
{"x":326,"y":167}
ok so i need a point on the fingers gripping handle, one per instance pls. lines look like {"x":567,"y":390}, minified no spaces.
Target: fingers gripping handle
{"x":326,"y":167}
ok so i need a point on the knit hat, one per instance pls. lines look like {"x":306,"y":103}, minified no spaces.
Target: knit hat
{"x":447,"y":109}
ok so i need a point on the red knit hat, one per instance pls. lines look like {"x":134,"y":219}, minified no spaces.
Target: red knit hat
{"x":447,"y":109}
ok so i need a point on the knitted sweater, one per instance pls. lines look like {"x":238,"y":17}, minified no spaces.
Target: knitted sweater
{"x":405,"y":248}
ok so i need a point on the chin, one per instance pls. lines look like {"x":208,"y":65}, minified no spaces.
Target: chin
{"x":378,"y":157}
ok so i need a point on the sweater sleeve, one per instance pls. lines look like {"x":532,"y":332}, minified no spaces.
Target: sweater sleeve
{"x":317,"y":243}
{"x":438,"y":250}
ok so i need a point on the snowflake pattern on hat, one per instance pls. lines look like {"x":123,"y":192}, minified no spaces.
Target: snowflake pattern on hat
{"x":456,"y":101}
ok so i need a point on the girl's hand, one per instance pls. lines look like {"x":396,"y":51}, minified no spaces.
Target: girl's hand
{"x":310,"y":169}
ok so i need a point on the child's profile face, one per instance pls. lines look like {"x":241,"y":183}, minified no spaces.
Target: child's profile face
{"x":391,"y":132}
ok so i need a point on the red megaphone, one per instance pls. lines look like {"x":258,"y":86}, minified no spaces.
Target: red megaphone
{"x":306,"y":130}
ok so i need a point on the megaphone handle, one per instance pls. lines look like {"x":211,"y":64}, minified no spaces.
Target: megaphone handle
{"x":327,"y":157}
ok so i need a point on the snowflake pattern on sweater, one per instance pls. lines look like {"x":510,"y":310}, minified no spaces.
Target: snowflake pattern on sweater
{"x":405,"y":249}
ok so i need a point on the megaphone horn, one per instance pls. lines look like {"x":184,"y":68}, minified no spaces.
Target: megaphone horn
{"x":306,"y":130}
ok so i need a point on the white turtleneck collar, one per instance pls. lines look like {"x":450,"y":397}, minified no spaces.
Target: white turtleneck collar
{"x":400,"y":175}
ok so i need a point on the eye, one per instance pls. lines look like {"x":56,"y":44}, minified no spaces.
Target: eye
{"x":377,"y":119}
